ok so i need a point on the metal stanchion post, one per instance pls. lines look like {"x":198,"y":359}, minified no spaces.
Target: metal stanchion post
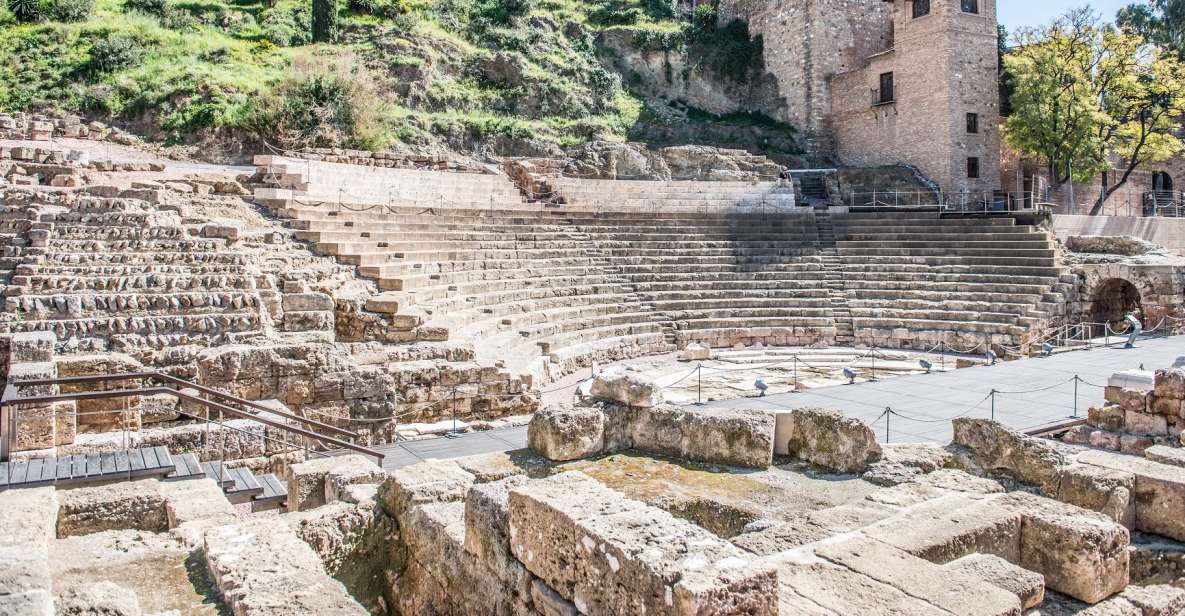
{"x":888,"y":414}
{"x":942,"y":353}
{"x":795,"y":390}
{"x":1075,"y":415}
{"x":699,"y":384}
{"x":993,"y":394}
{"x":453,"y":433}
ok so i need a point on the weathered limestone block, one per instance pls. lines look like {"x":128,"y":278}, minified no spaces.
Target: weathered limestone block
{"x":31,"y":347}
{"x":308,"y":302}
{"x":826,"y":589}
{"x":1170,"y":383}
{"x":1166,"y":455}
{"x":104,"y":414}
{"x":997,"y":448}
{"x":98,"y":599}
{"x":1159,"y":491}
{"x":351,"y":470}
{"x":731,"y":437}
{"x":1081,"y":553}
{"x":421,"y":484}
{"x":116,"y":506}
{"x":1110,"y":418}
{"x":623,"y":386}
{"x":193,"y":505}
{"x":487,"y":528}
{"x":308,"y":321}
{"x":224,"y":229}
{"x":948,"y":528}
{"x":549,"y":602}
{"x":306,"y":483}
{"x":1157,"y":600}
{"x":957,"y":593}
{"x":827,"y":439}
{"x":29,"y":517}
{"x":1137,"y":422}
{"x":903,"y":462}
{"x":1107,"y":491}
{"x":695,"y":352}
{"x":357,"y":544}
{"x":35,"y":426}
{"x":608,"y":554}
{"x":1169,"y":407}
{"x":807,"y":527}
{"x":1028,"y":586}
{"x":435,"y":534}
{"x":261,"y":568}
{"x":564,"y":433}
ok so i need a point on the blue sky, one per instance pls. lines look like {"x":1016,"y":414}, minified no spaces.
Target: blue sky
{"x":1017,"y":13}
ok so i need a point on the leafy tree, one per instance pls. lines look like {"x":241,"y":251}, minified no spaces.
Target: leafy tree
{"x":25,"y":10}
{"x":1090,"y":99}
{"x":1161,"y":22}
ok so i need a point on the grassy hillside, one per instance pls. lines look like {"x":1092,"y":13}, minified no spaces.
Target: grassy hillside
{"x":517,"y":76}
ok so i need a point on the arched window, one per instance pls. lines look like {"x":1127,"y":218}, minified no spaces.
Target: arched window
{"x":1162,"y":181}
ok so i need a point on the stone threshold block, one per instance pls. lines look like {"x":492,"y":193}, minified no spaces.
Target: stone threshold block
{"x":261,"y":568}
{"x":318,"y":481}
{"x":611,"y":555}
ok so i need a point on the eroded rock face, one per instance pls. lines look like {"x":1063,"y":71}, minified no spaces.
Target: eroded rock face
{"x":116,"y":506}
{"x":996,"y":448}
{"x":1109,"y":244}
{"x":828,"y":439}
{"x":566,"y":433}
{"x":626,"y":387}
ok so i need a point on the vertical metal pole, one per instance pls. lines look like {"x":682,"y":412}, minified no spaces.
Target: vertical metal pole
{"x":942,"y":353}
{"x":5,"y":431}
{"x":888,"y":414}
{"x":993,"y":404}
{"x":1075,"y":415}
{"x":795,"y":374}
{"x":454,"y":432}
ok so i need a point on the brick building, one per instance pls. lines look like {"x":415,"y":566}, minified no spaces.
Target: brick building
{"x":879,"y":82}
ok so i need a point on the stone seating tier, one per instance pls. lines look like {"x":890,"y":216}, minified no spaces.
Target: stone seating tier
{"x":552,"y":290}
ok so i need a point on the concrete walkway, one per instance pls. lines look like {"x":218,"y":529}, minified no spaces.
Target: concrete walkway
{"x":925,"y":403}
{"x":1032,"y":392}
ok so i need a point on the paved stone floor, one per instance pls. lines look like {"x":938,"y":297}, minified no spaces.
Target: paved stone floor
{"x":924,"y":403}
{"x":927,"y":402}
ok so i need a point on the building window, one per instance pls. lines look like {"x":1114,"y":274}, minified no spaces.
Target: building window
{"x":973,"y":123}
{"x":921,"y":8}
{"x":973,"y":168}
{"x":971,"y":6}
{"x":885,"y":94}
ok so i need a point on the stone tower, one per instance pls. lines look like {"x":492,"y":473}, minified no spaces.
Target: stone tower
{"x":897,"y":81}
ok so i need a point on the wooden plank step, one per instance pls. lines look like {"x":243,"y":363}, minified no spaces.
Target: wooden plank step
{"x":185,"y":466}
{"x":213,"y":470}
{"x":245,"y":487}
{"x":274,"y":496}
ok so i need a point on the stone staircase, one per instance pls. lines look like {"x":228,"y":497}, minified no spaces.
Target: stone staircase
{"x":837,"y":294}
{"x":813,"y":187}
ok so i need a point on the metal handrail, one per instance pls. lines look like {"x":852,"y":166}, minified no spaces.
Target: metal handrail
{"x":128,"y":376}
{"x":10,"y":398}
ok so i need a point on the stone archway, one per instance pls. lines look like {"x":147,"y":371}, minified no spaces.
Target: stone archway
{"x":1113,"y":299}
{"x":1162,"y":181}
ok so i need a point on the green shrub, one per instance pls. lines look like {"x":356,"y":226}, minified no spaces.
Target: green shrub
{"x":705,"y":17}
{"x":286,"y":27}
{"x":68,"y":10}
{"x":380,"y":8}
{"x":115,"y":52}
{"x":148,"y":7}
{"x":25,"y":11}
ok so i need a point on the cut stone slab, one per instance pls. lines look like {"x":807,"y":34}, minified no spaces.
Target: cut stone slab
{"x":734,"y":437}
{"x":951,"y":527}
{"x":487,"y":527}
{"x":617,"y":384}
{"x":1166,"y":455}
{"x":1028,"y":586}
{"x":423,"y":483}
{"x":825,"y":589}
{"x":116,"y":506}
{"x":1140,"y":380}
{"x":1159,"y":491}
{"x":98,"y":599}
{"x":1081,"y":553}
{"x":957,"y":593}
{"x":1107,"y":491}
{"x":826,"y":438}
{"x":194,"y":505}
{"x":608,"y":554}
{"x":386,"y":303}
{"x":262,"y":568}
{"x":1159,"y":600}
{"x":565,"y":433}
